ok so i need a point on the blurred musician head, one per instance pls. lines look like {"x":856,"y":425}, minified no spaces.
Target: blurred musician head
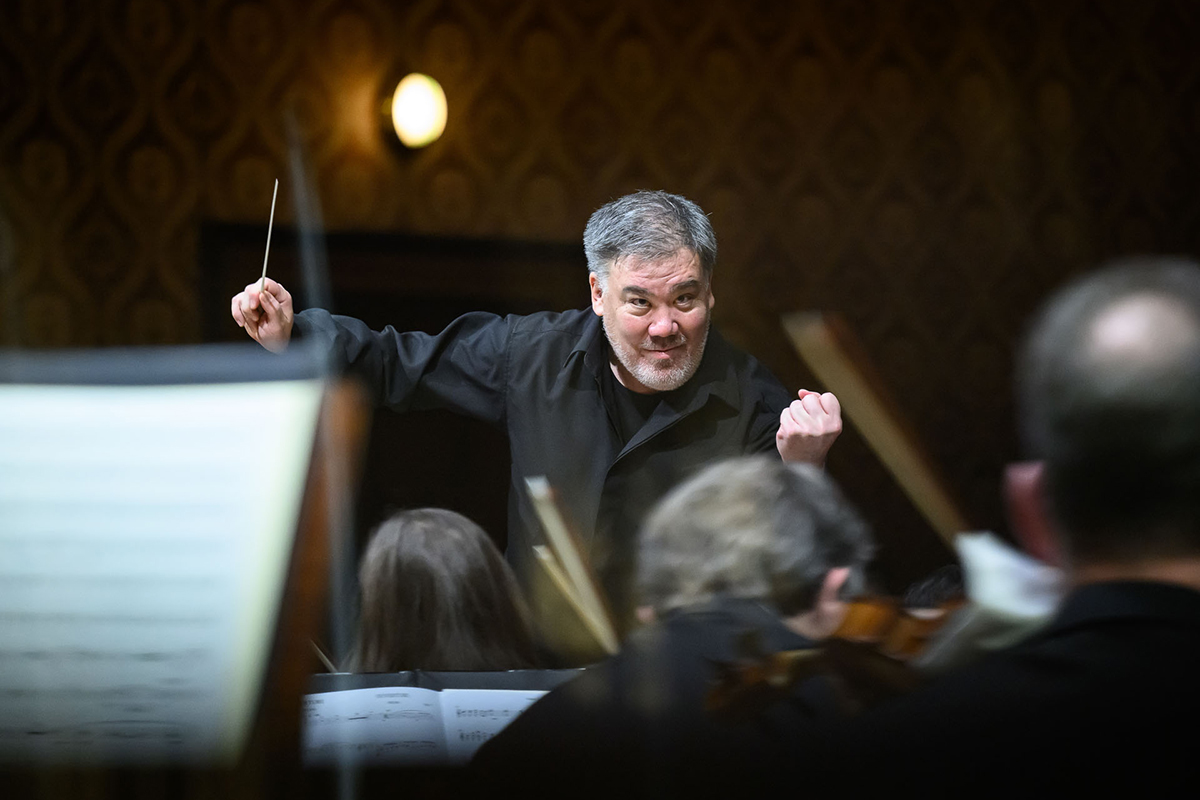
{"x":437,"y":595}
{"x":1110,"y":401}
{"x":760,"y":529}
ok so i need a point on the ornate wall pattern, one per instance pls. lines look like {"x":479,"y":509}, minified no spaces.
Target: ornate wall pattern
{"x":929,"y":168}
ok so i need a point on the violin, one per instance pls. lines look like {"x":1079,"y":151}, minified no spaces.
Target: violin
{"x":893,"y":629}
{"x":866,"y":660}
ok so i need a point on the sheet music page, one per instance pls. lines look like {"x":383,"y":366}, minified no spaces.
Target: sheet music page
{"x":406,"y":725}
{"x":394,"y":725}
{"x":145,"y":533}
{"x":472,"y":716}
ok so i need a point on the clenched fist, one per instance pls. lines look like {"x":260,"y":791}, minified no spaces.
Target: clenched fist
{"x":808,"y":427}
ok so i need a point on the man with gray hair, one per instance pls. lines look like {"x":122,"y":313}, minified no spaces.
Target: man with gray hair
{"x":1109,"y":403}
{"x":780,"y":536}
{"x":749,"y":555}
{"x":614,"y":406}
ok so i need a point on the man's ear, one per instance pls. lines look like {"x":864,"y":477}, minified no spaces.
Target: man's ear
{"x":831,"y":587}
{"x":1029,"y":512}
{"x":828,"y":610}
{"x":597,"y":287}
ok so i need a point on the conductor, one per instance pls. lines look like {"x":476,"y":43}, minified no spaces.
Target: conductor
{"x":614,"y":405}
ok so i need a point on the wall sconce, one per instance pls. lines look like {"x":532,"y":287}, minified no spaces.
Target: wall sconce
{"x":417,"y":110}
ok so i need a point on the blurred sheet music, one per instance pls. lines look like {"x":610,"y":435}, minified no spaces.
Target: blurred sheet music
{"x":472,"y":716}
{"x":145,"y":534}
{"x":406,"y":725}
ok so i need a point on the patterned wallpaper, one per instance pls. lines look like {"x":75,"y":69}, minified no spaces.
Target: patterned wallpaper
{"x":929,"y":168}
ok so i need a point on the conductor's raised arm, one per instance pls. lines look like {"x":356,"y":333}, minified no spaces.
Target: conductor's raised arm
{"x":266,"y":315}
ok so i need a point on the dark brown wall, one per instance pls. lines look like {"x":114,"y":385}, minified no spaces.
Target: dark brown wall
{"x":928,"y":168}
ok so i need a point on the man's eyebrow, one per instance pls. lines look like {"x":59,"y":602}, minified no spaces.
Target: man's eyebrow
{"x":691,"y":284}
{"x":688,"y":285}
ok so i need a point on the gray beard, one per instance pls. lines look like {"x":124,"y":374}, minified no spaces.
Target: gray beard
{"x":660,"y":380}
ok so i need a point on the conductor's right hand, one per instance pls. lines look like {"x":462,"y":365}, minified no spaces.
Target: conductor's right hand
{"x":267,"y":316}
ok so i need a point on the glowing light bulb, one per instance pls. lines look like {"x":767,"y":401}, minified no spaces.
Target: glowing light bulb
{"x":418,"y":110}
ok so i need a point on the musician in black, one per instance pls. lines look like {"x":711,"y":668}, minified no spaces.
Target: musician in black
{"x":614,"y":404}
{"x":1105,"y":696}
{"x":751,"y":557}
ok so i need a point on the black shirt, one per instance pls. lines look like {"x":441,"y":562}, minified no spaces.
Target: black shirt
{"x":1105,"y":696}
{"x":636,"y":725}
{"x":629,"y":411}
{"x":540,"y":379}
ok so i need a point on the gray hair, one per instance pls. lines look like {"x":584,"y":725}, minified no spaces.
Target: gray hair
{"x":753,"y":528}
{"x":650,"y":225}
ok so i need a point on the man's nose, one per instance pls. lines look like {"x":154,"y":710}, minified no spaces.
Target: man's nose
{"x":663,"y":325}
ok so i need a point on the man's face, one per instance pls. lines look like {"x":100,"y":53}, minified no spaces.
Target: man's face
{"x":656,"y":316}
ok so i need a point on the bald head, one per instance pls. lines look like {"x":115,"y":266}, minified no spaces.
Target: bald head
{"x":1150,"y":332}
{"x":1110,"y":399}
